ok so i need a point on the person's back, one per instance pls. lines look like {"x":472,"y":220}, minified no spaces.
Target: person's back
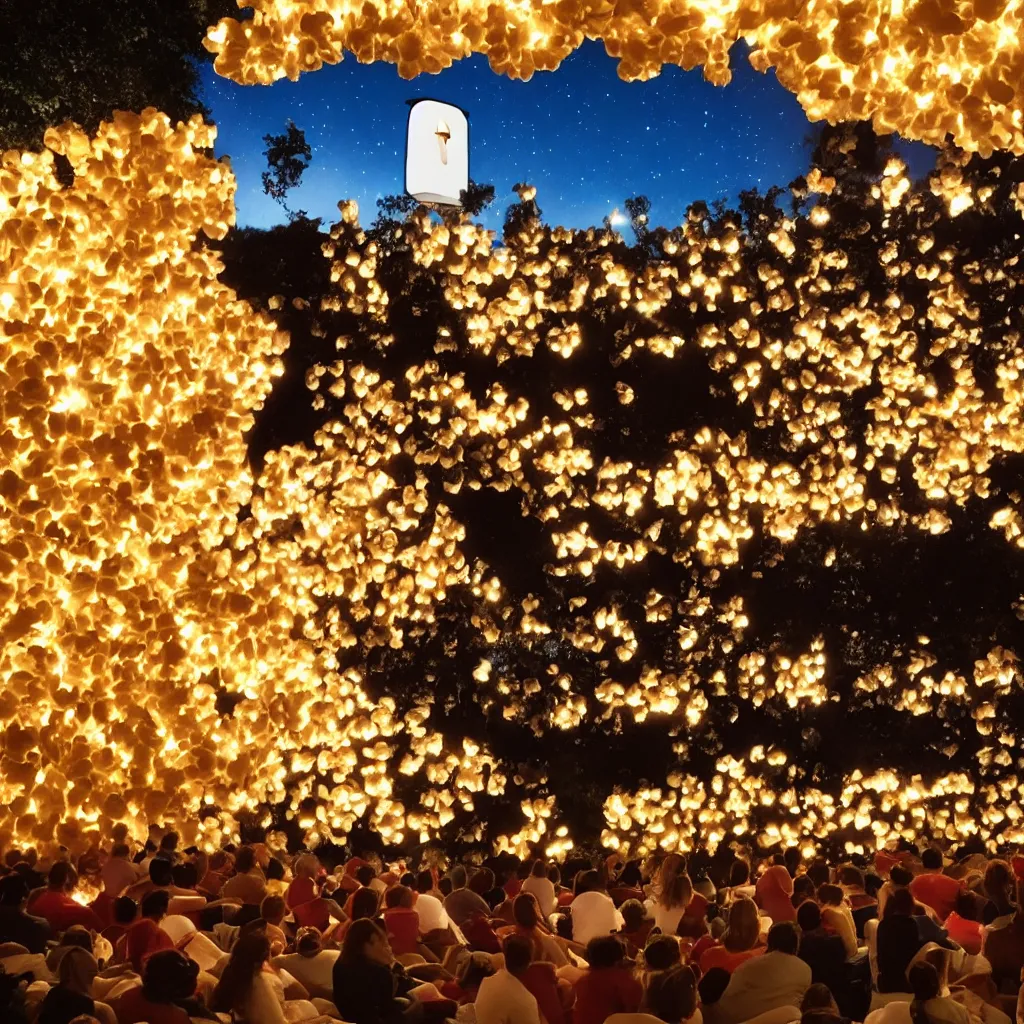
{"x":15,"y":924}
{"x":593,"y":915}
{"x":503,"y":998}
{"x":897,"y":941}
{"x":933,"y":888}
{"x":61,"y":1005}
{"x":778,"y":978}
{"x":462,"y":903}
{"x":543,"y":891}
{"x":1004,"y":950}
{"x":132,"y":1007}
{"x":608,"y":986}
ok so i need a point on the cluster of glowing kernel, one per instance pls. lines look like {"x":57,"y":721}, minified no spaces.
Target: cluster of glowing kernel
{"x":924,"y":71}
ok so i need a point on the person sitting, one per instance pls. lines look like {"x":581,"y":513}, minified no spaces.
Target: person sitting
{"x":55,"y":904}
{"x":433,"y":917}
{"x":821,"y":950}
{"x":539,"y":885}
{"x":928,"y":1005}
{"x":778,"y":978}
{"x":16,"y":925}
{"x":592,"y":911}
{"x":837,"y":917}
{"x":145,"y":937}
{"x":1004,"y":950}
{"x":217,"y":872}
{"x":636,"y":926}
{"x":166,"y":995}
{"x":964,"y":924}
{"x":276,"y":884}
{"x":933,"y":888}
{"x":503,"y":998}
{"x":248,"y":883}
{"x":402,"y":921}
{"x":661,"y":953}
{"x":819,"y":1007}
{"x":711,"y":988}
{"x":628,"y":886}
{"x":998,"y":886}
{"x":159,"y":879}
{"x":118,"y":872}
{"x":608,"y":986}
{"x":774,"y":892}
{"x":740,"y":942}
{"x":899,"y":878}
{"x":483,"y":884}
{"x":72,"y":995}
{"x":530,"y":925}
{"x":739,"y":880}
{"x":671,"y":894}
{"x":474,"y":968}
{"x":671,"y":997}
{"x":303,"y":897}
{"x":803,"y":890}
{"x":244,"y":988}
{"x":310,"y":965}
{"x":463,"y":903}
{"x":273,"y":910}
{"x":124,"y":913}
{"x":897,"y":942}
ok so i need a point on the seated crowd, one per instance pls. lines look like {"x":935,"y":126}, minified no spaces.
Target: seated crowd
{"x":163,"y":936}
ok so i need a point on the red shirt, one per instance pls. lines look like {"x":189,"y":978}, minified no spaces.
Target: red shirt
{"x":541,"y":982}
{"x":601,"y":993}
{"x":144,"y":938}
{"x":61,"y":911}
{"x":403,"y":925}
{"x":937,"y":891}
{"x":719,"y":956}
{"x":965,"y":933}
{"x":512,"y":887}
{"x":134,"y":1008}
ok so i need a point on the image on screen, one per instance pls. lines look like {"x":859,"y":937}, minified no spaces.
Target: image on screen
{"x":437,"y":152}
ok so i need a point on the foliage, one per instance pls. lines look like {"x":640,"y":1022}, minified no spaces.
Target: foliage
{"x":288,"y":155}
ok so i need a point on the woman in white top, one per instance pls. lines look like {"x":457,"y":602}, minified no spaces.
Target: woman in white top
{"x":593,"y":912}
{"x":540,"y":886}
{"x":838,"y":917}
{"x":530,"y":925}
{"x":671,"y":893}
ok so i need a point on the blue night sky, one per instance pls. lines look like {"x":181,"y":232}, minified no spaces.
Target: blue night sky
{"x":584,"y":137}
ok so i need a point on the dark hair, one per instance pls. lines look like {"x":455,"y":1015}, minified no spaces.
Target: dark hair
{"x":161,"y":872}
{"x":554,"y":875}
{"x":119,"y":850}
{"x":998,"y":879}
{"x":713,"y":984}
{"x":518,"y":953}
{"x":365,"y":874}
{"x":662,"y":952}
{"x":783,"y":938}
{"x":356,"y":938}
{"x":458,"y":876}
{"x":398,"y":896}
{"x":817,"y":997}
{"x":900,"y":903}
{"x":482,"y":881}
{"x":604,"y":951}
{"x":13,"y":890}
{"x":539,"y":870}
{"x":245,"y":859}
{"x":872,"y":883}
{"x":587,"y":881}
{"x":739,"y":872}
{"x":818,"y":872}
{"x":185,"y":875}
{"x":932,"y":859}
{"x":924,"y":983}
{"x":849,"y":875}
{"x":77,"y":935}
{"x":169,"y":841}
{"x":525,"y":910}
{"x":634,"y":913}
{"x":61,"y":875}
{"x":408,"y":880}
{"x":631,"y":875}
{"x":477,"y":967}
{"x":830,"y":895}
{"x":808,"y":916}
{"x":424,"y":882}
{"x":803,"y":889}
{"x":249,"y":954}
{"x":672,"y":995}
{"x":444,"y":886}
{"x":365,"y":903}
{"x":155,"y":903}
{"x":900,"y":875}
{"x":125,"y":909}
{"x":169,"y":977}
{"x":275,"y":870}
{"x":273,"y":909}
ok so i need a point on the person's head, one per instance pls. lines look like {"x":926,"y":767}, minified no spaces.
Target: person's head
{"x":275,"y":870}
{"x":476,"y":967}
{"x":220,"y":861}
{"x":257,"y":926}
{"x":676,"y":890}
{"x":169,"y":843}
{"x":998,"y":883}
{"x":631,"y":875}
{"x":539,"y":869}
{"x":161,"y":872}
{"x":744,"y":926}
{"x":185,"y":875}
{"x":830,"y":895}
{"x":155,"y":903}
{"x":424,"y":882}
{"x":931,"y":859}
{"x":444,"y":886}
{"x":662,"y":952}
{"x":482,"y":881}
{"x":273,"y":909}
{"x":306,"y":866}
{"x":245,"y":859}
{"x":125,"y":909}
{"x":365,"y":903}
{"x":818,"y":872}
{"x":803,"y":889}
{"x":399,"y":896}
{"x":899,"y":904}
{"x":851,"y":876}
{"x":967,"y":905}
{"x":77,"y":935}
{"x":308,"y":941}
{"x":713,"y":984}
{"x":900,"y":876}
{"x":924,"y":981}
{"x":518,"y":952}
{"x":366,"y":940}
{"x":169,"y":977}
{"x":808,"y":916}
{"x":783,"y":938}
{"x":604,"y":952}
{"x":872,"y":883}
{"x":62,"y":877}
{"x":365,"y":874}
{"x":525,"y":910}
{"x":13,"y":890}
{"x":248,"y":955}
{"x":818,"y":998}
{"x":671,"y":995}
{"x":587,"y":881}
{"x":739,"y":872}
{"x":458,"y":877}
{"x":634,"y":913}
{"x":77,"y":970}
{"x":120,"y":850}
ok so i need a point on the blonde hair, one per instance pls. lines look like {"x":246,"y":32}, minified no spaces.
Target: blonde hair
{"x":744,"y":926}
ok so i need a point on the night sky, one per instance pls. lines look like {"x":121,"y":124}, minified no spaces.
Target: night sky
{"x":584,"y":137}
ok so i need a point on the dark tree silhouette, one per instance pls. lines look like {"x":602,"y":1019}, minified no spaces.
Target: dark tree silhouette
{"x":288,"y":155}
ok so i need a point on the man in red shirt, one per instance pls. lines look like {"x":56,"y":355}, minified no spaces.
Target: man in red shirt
{"x":55,"y":904}
{"x":933,"y":888}
{"x":610,"y":985}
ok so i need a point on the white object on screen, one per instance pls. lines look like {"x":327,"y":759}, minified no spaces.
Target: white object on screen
{"x":436,"y":152}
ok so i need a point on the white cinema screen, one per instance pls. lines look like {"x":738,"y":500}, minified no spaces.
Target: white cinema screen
{"x":437,"y":152}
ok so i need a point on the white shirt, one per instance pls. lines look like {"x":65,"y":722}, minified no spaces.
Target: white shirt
{"x":946,"y":1011}
{"x":544,"y":892}
{"x":313,"y":973}
{"x":763,"y":983}
{"x":503,"y":999}
{"x":432,"y":913}
{"x":665,"y":918}
{"x":593,"y":915}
